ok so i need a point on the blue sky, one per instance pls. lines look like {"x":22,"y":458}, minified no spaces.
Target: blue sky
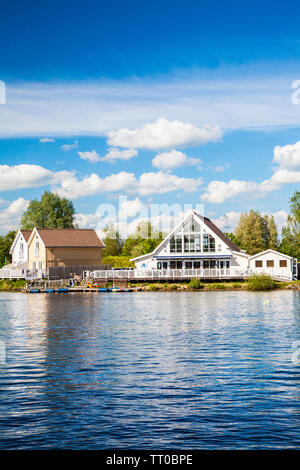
{"x":165,"y":102}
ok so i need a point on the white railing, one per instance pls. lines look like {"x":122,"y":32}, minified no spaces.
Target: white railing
{"x":7,"y":273}
{"x":233,"y":273}
{"x":136,"y":274}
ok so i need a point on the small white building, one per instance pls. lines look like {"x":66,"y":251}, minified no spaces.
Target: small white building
{"x":19,"y":248}
{"x":275,"y":263}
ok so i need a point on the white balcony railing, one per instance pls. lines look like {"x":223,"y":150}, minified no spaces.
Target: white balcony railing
{"x":231,"y":273}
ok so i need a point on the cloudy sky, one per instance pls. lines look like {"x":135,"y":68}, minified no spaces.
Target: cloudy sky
{"x":165,"y":102}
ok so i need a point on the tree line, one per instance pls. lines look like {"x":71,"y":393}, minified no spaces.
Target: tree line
{"x":255,"y":232}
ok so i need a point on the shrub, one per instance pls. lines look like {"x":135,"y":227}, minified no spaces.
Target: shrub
{"x":261,"y":282}
{"x":195,"y":284}
{"x":153,"y":288}
{"x":173,"y":287}
{"x":237,"y":285}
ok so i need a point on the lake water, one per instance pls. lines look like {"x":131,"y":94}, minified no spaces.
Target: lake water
{"x":200,"y":370}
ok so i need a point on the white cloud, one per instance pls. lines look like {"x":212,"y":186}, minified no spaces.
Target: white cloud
{"x":159,"y":183}
{"x":87,"y":220}
{"x":174,"y":159}
{"x":93,"y":184}
{"x":285,"y":176}
{"x":45,"y":140}
{"x":244,"y":97}
{"x":10,"y":216}
{"x":287,"y":155}
{"x":220,"y":191}
{"x":68,"y":147}
{"x":147,"y":183}
{"x":163,"y":134}
{"x":92,"y":156}
{"x":130,"y":208}
{"x":228,"y":221}
{"x":114,"y":154}
{"x":29,"y":176}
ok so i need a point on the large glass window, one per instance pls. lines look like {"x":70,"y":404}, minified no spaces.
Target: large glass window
{"x":176,"y":244}
{"x":209,"y":243}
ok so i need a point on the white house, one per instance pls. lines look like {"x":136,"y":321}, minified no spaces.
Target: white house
{"x":197,"y":243}
{"x":271,"y":261}
{"x":19,"y":248}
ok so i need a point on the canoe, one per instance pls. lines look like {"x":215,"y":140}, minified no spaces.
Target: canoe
{"x":62,"y":289}
{"x":102,"y":289}
{"x":49,"y":291}
{"x":35,"y":291}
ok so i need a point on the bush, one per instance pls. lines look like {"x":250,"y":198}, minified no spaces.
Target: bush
{"x":118,"y":261}
{"x":173,"y":287}
{"x":153,"y":288}
{"x":237,"y":285}
{"x":261,"y":282}
{"x":195,"y":284}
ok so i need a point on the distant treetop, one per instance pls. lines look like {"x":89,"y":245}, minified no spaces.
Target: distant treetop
{"x":51,"y":211}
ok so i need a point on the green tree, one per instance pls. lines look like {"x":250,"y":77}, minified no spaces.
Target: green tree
{"x":5,"y":245}
{"x":290,"y":235}
{"x":51,"y":211}
{"x":113,"y":242}
{"x":273,"y":235}
{"x":144,"y":240}
{"x":256,"y":232}
{"x":232,"y":237}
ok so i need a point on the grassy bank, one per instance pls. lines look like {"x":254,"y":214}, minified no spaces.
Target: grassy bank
{"x":12,"y":284}
{"x":256,"y":283}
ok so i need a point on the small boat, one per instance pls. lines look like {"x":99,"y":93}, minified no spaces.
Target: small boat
{"x":49,"y":291}
{"x":62,"y":289}
{"x":116,"y":289}
{"x":102,"y":289}
{"x":35,"y":291}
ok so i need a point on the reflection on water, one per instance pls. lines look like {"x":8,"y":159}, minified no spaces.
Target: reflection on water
{"x":150,"y":370}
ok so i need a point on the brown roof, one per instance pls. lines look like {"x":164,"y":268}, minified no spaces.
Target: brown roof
{"x":70,"y":237}
{"x":219,"y":232}
{"x":26,"y":234}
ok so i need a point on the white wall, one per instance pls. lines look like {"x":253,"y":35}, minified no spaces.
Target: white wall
{"x":275,"y":257}
{"x":18,"y":258}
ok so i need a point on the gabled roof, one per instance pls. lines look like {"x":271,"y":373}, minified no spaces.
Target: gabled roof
{"x":218,"y":232}
{"x":270,"y":251}
{"x":69,"y":237}
{"x":210,"y":225}
{"x":26,"y":234}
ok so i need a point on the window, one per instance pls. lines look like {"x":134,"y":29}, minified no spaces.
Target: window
{"x":33,"y":266}
{"x":40,"y":264}
{"x":209,"y":243}
{"x":158,"y":265}
{"x":188,"y":265}
{"x":198,"y":243}
{"x":165,"y":265}
{"x":270,"y":263}
{"x":186,"y":240}
{"x":258,"y":264}
{"x":196,"y":264}
{"x":283,"y":263}
{"x":21,"y":250}
{"x":37,"y":249}
{"x":176,"y":244}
